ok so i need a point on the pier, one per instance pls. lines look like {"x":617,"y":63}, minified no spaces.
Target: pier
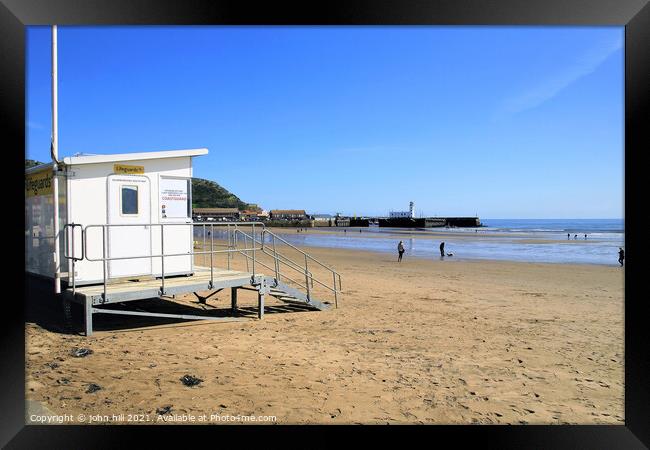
{"x":429,"y":222}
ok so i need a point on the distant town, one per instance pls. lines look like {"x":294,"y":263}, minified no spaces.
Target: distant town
{"x":300,"y":218}
{"x":279,"y":217}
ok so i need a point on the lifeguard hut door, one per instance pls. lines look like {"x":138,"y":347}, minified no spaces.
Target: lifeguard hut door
{"x":129,"y":203}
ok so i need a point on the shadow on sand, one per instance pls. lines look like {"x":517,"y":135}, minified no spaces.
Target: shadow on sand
{"x":44,"y":309}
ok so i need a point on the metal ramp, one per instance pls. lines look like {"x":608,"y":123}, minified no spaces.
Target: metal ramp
{"x":257,"y":250}
{"x":128,"y":290}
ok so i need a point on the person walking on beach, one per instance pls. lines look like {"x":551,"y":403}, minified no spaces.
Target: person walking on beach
{"x":442,"y":250}
{"x":400,"y":251}
{"x":585,"y":236}
{"x":568,"y":236}
{"x":621,"y":256}
{"x":575,"y":236}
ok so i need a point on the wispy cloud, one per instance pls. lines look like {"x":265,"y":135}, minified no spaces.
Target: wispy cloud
{"x":35,"y":125}
{"x":353,"y":150}
{"x":550,"y":87}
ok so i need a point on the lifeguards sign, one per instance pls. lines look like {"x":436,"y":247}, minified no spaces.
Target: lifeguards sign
{"x":38,"y":183}
{"x":128,"y":170}
{"x":174,"y":198}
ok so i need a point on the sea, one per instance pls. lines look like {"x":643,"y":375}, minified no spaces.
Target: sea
{"x":525,"y":240}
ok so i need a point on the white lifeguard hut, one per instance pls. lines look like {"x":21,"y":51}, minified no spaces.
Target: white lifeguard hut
{"x":126,"y":233}
{"x":116,"y":228}
{"x":136,"y":190}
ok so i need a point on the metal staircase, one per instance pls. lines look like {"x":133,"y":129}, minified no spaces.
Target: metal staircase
{"x":292,"y":296}
{"x":284,"y":286}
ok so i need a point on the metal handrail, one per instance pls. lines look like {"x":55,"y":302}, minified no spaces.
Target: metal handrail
{"x":269,"y":232}
{"x":308,"y":275}
{"x":280,"y":258}
{"x":104,"y":259}
{"x":72,"y":258}
{"x":66,"y":229}
{"x":233,"y":230}
{"x":277,"y":256}
{"x":265,"y":231}
{"x":277,"y":259}
{"x":307,"y":255}
{"x":270,"y":268}
{"x":85,"y":241}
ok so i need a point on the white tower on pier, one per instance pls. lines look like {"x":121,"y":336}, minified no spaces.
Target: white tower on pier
{"x":412,"y":210}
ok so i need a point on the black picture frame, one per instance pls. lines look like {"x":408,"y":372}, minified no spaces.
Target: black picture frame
{"x":633,"y":14}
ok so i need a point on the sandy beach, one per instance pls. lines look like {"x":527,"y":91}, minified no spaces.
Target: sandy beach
{"x":423,"y":341}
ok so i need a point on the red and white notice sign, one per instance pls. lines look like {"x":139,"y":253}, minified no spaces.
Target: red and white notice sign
{"x":174,"y":198}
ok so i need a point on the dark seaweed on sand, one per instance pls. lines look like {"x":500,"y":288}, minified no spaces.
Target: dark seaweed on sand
{"x":92,"y":387}
{"x":190,"y":380}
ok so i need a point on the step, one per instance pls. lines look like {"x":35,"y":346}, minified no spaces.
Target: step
{"x":278,"y":293}
{"x":284,"y":296}
{"x":297,"y":302}
{"x":290,"y":294}
{"x":281,"y":295}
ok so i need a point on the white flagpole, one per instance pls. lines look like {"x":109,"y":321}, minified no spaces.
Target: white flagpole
{"x":55,"y":157}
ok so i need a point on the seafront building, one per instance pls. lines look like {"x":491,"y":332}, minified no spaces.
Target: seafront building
{"x":288,"y":214}
{"x":410,"y":214}
{"x":202,"y":214}
{"x":323,"y":220}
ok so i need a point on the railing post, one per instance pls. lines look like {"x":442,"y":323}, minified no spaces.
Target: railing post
{"x":277,"y":263}
{"x":229,"y":245}
{"x":211,"y":254}
{"x":104,"y":262}
{"x":246,"y":255}
{"x":233,"y":242}
{"x":74,"y":284}
{"x":307,"y":280}
{"x":253,"y":244}
{"x":162,"y":258}
{"x":203,"y":248}
{"x":336,"y":297}
{"x":261,"y":294}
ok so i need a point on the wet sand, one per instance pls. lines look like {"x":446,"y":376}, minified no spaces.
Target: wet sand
{"x":434,"y":234}
{"x":431,"y":233}
{"x":424,"y":341}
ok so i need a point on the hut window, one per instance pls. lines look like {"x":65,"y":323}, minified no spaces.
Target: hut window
{"x":129,"y":200}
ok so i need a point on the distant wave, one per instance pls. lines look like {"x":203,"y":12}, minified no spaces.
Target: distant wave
{"x":572,"y":226}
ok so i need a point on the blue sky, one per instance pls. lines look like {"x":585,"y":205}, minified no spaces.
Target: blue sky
{"x":503,"y":122}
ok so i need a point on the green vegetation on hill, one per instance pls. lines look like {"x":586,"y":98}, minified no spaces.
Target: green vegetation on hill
{"x":208,"y":194}
{"x":31,"y":163}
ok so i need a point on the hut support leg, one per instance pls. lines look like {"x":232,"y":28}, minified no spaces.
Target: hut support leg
{"x":67,"y":313}
{"x":233,"y":299}
{"x":88,"y":316}
{"x":260,"y":300}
